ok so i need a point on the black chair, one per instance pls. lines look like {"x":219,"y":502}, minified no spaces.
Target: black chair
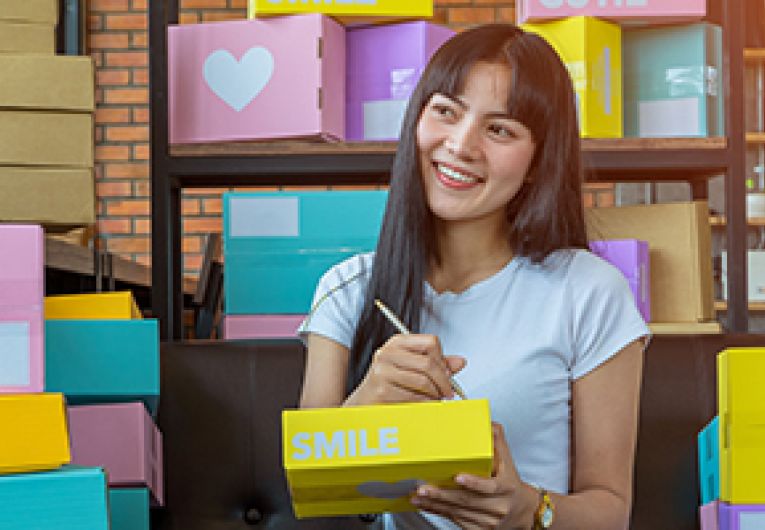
{"x":220,"y":414}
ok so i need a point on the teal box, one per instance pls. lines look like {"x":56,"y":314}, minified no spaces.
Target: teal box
{"x":673,"y":81}
{"x":709,"y":461}
{"x":277,"y":245}
{"x":103,"y":361}
{"x":129,"y":508}
{"x":69,"y":498}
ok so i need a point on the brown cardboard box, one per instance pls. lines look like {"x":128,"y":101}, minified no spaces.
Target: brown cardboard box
{"x":47,"y":196}
{"x":28,"y":81}
{"x":40,"y":11}
{"x":22,"y":37}
{"x":37,"y":138}
{"x":679,"y":239}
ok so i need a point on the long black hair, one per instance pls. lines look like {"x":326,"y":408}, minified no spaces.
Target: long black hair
{"x":546,"y":213}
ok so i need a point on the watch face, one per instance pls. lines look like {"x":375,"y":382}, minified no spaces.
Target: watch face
{"x":547,"y":517}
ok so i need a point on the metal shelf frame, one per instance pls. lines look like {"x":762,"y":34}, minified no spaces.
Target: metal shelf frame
{"x":604,"y":162}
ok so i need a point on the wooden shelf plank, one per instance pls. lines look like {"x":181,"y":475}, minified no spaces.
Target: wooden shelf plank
{"x":755,"y":137}
{"x":754,"y":54}
{"x":722,"y":305}
{"x":719,"y":220}
{"x":685,"y":328}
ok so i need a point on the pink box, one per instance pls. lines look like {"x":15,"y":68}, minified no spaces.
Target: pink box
{"x":121,"y":438}
{"x":718,"y":515}
{"x":655,"y":11}
{"x":22,"y":278}
{"x":708,"y":516}
{"x":261,"y":326}
{"x":273,"y":78}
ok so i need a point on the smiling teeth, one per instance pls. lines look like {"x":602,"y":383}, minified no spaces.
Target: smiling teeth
{"x":454,"y":175}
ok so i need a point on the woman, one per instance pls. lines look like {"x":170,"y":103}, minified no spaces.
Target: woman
{"x":482,"y":255}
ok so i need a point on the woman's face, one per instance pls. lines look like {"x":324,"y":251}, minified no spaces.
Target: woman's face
{"x":474,"y":157}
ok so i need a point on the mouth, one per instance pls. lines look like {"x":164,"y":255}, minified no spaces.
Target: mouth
{"x":455,"y":178}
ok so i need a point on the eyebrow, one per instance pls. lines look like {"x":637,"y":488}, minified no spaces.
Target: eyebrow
{"x":463,"y":105}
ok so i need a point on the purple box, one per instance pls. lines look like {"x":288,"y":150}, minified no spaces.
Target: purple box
{"x":22,"y":274}
{"x":723,"y":516}
{"x":121,"y":438}
{"x":261,"y":326}
{"x":630,"y":256}
{"x":383,"y":65}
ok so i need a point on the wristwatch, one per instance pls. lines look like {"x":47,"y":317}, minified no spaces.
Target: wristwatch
{"x":543,"y":517}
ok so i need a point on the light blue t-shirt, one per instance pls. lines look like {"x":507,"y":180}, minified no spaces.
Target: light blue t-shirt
{"x":527,"y":332}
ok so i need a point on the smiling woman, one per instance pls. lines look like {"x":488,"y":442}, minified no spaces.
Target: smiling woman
{"x":482,"y":255}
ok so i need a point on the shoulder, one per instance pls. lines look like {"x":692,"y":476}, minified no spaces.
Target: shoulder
{"x":351,"y":275}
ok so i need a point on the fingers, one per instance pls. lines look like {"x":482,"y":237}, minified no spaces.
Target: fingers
{"x":421,"y":354}
{"x":455,"y":363}
{"x":461,"y":506}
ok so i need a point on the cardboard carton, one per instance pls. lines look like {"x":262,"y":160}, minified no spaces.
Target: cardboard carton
{"x":22,"y":37}
{"x":679,"y":239}
{"x":129,"y":508}
{"x":40,"y":11}
{"x":370,"y":459}
{"x":118,"y":305}
{"x":709,"y":461}
{"x":353,"y":11}
{"x":28,"y":80}
{"x":35,"y":138}
{"x":261,"y":326}
{"x":631,"y":257}
{"x":625,"y":11}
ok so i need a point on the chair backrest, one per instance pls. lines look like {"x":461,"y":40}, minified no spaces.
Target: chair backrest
{"x":220,"y":414}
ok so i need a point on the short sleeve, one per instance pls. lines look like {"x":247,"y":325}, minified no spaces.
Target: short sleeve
{"x":605,"y":316}
{"x":338,"y":301}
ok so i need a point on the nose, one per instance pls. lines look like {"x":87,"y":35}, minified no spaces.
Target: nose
{"x":463,"y":141}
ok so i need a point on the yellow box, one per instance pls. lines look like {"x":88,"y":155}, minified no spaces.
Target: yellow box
{"x":27,"y":79}
{"x":591,"y":49}
{"x":92,"y":306}
{"x":39,"y":11}
{"x":35,"y":436}
{"x":741,"y":406}
{"x":24,"y":37}
{"x":37,"y":138}
{"x":344,"y":461}
{"x":346,"y":11}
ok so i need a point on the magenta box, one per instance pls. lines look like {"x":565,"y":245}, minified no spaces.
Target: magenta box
{"x":123,"y":439}
{"x":723,"y":516}
{"x":384,"y":65}
{"x":273,"y":78}
{"x":261,"y":326}
{"x":631,"y":257}
{"x":655,"y":11}
{"x":22,"y":278}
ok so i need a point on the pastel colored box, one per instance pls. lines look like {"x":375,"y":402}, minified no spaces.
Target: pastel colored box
{"x":369,"y":459}
{"x":236,"y":80}
{"x":740,"y":398}
{"x":631,"y":257}
{"x":261,"y":326}
{"x":278,"y":245}
{"x":34,"y":436}
{"x":40,"y":11}
{"x":723,"y":516}
{"x":103,"y":361}
{"x":755,"y":269}
{"x":121,"y":438}
{"x":384,"y":65}
{"x":673,"y":81}
{"x":129,"y":508}
{"x":356,"y":8}
{"x":22,"y":273}
{"x":709,"y":461}
{"x":70,"y":498}
{"x":591,"y":49}
{"x":118,"y":305}
{"x":23,"y":37}
{"x":653,"y":11}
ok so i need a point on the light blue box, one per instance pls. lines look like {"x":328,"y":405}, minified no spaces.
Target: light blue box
{"x":103,"y":361}
{"x":69,"y":498}
{"x":277,"y":245}
{"x":673,"y":81}
{"x":709,"y":461}
{"x":129,"y":508}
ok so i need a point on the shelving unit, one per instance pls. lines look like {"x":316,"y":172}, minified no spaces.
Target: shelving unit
{"x":315,"y":164}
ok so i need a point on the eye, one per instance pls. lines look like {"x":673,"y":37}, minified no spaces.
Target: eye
{"x":444,"y":111}
{"x":501,"y":131}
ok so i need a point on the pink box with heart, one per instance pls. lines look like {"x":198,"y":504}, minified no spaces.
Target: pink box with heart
{"x":121,"y":438}
{"x":261,"y":326}
{"x":22,"y":279}
{"x":274,"y":78}
{"x":654,"y":11}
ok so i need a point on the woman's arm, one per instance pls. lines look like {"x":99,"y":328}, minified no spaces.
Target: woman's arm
{"x":326,"y":367}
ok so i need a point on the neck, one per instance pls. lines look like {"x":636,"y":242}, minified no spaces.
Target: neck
{"x":470,"y":252}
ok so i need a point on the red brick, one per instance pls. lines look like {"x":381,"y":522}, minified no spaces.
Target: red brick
{"x":142,"y":188}
{"x":191,"y":207}
{"x":238,"y":4}
{"x":197,"y":225}
{"x":114,"y":226}
{"x":130,"y":170}
{"x":108,"y":40}
{"x":188,"y":18}
{"x":140,"y":115}
{"x":95,"y":23}
{"x":471,"y":15}
{"x":129,"y":245}
{"x":605,"y":199}
{"x":143,"y":259}
{"x":215,"y":191}
{"x":192,"y":244}
{"x":588,"y":200}
{"x":128,"y":207}
{"x":139,"y":39}
{"x":127,"y":134}
{"x":126,"y":95}
{"x":203,"y":4}
{"x":136,"y":58}
{"x":126,"y":22}
{"x":140,"y":76}
{"x":108,"y":5}
{"x":139,"y":5}
{"x":212,"y":206}
{"x":112,"y":77}
{"x":215,"y":16}
{"x":506,"y":14}
{"x":113,"y":189}
{"x":142,"y":226}
{"x":192,"y":262}
{"x":141,"y":152}
{"x":112,"y":115}
{"x":112,"y":152}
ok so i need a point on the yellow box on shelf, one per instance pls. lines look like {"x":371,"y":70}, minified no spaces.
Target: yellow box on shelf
{"x":369,"y":459}
{"x":344,"y":8}
{"x":591,"y":49}
{"x":119,"y":305}
{"x":741,"y":406}
{"x":35,"y":436}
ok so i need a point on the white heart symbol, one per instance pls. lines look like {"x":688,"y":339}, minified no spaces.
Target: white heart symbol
{"x":237,"y":83}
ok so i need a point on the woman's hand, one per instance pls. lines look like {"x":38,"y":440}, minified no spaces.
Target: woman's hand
{"x":407,"y":368}
{"x":500,"y":502}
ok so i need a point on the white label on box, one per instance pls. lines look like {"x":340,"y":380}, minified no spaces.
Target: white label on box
{"x":14,"y":354}
{"x":751,"y":521}
{"x":669,"y":117}
{"x":264,"y":217}
{"x":382,"y":119}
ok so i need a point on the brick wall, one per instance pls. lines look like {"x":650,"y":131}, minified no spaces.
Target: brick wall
{"x":117,"y":39}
